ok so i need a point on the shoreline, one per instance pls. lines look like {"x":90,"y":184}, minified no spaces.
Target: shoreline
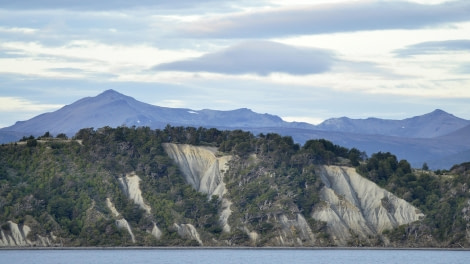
{"x":232,"y":248}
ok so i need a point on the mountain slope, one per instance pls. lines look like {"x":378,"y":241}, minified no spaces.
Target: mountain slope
{"x":434,"y":124}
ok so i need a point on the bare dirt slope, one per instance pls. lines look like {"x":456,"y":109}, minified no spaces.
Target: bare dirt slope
{"x":355,"y":206}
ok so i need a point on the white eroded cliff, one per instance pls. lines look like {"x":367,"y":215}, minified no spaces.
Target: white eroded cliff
{"x":353,"y":203}
{"x":295,"y":232}
{"x":156,"y":232}
{"x":200,"y":166}
{"x":204,"y":170}
{"x":120,"y":221}
{"x":131,"y":186}
{"x":16,"y":235}
{"x":188,"y":231}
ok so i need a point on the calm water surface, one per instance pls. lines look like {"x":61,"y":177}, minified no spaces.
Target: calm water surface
{"x":217,"y":256}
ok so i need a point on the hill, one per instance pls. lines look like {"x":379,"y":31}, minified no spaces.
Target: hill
{"x":205,"y":187}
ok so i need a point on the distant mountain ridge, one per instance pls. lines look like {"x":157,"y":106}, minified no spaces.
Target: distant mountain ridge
{"x":439,"y":138}
{"x":434,"y":124}
{"x":113,"y":109}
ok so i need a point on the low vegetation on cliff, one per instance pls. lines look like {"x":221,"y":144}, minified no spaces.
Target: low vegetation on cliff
{"x":121,"y":187}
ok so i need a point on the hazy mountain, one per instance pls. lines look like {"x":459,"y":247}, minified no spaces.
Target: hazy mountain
{"x":113,"y":109}
{"x":9,"y":136}
{"x":434,"y":124}
{"x":439,"y":153}
{"x":460,"y":136}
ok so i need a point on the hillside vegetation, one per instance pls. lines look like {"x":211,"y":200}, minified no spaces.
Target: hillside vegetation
{"x":120,"y":187}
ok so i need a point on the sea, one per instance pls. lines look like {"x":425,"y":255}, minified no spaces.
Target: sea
{"x":221,"y":256}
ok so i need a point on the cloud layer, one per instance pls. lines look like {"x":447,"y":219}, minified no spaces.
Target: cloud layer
{"x":257,"y":57}
{"x":97,"y":5}
{"x":435,"y":47}
{"x":329,"y":18}
{"x":305,"y":59}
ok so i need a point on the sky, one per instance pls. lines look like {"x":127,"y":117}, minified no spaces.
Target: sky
{"x":301,"y":60}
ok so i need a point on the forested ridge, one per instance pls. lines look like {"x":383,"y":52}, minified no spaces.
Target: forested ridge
{"x":59,"y":187}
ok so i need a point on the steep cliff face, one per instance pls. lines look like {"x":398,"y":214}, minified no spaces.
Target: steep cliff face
{"x":131,"y":186}
{"x":201,"y":167}
{"x":353,"y":205}
{"x":204,"y":170}
{"x":295,"y":232}
{"x":14,"y":235}
{"x":188,"y":231}
{"x":120,"y":221}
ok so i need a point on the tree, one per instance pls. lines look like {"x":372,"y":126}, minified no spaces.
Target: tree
{"x":61,"y":136}
{"x":46,"y":135}
{"x":32,"y":143}
{"x":354,"y":156}
{"x":425,"y":167}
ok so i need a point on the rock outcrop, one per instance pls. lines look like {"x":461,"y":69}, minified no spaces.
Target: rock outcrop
{"x":156,"y":232}
{"x":295,"y":232}
{"x":14,"y":235}
{"x":204,"y":170}
{"x":353,"y":205}
{"x":188,"y":231}
{"x":131,"y":186}
{"x":200,"y":166}
{"x":120,"y":221}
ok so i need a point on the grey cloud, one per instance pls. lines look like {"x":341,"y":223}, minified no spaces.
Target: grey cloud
{"x":259,"y":57}
{"x":97,"y":5}
{"x":67,"y":70}
{"x":89,"y":74}
{"x":11,"y":53}
{"x":357,"y":16}
{"x":58,"y":27}
{"x":464,"y":69}
{"x":434,"y":47}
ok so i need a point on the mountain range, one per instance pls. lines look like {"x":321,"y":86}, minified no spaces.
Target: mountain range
{"x":438,"y":138}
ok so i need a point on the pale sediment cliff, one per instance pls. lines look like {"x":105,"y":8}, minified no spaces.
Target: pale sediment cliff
{"x":295,"y":232}
{"x":188,"y":231}
{"x":14,"y":235}
{"x":131,"y":186}
{"x":353,"y":205}
{"x":120,"y":221}
{"x":200,"y":166}
{"x":204,"y":170}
